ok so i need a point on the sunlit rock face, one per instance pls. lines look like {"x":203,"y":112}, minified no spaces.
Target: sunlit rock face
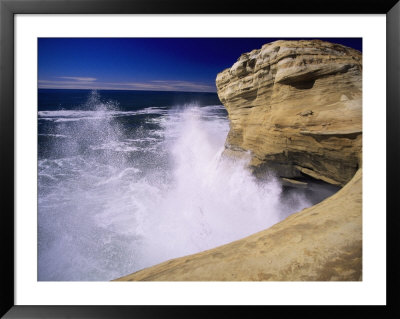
{"x":297,"y":107}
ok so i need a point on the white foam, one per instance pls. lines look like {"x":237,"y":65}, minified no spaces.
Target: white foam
{"x":76,"y":115}
{"x":117,"y":146}
{"x":54,"y":135}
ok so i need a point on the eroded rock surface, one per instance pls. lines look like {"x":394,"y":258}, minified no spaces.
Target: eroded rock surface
{"x":297,"y":106}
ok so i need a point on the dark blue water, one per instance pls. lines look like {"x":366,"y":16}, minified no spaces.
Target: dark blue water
{"x":58,"y":107}
{"x":54,"y":99}
{"x":130,"y":179}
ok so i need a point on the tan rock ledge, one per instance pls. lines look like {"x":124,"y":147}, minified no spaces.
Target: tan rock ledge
{"x":293,"y":182}
{"x":320,"y":243}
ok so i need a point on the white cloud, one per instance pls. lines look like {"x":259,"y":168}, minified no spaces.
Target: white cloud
{"x":70,"y":82}
{"x":172,"y":86}
{"x":77,"y":78}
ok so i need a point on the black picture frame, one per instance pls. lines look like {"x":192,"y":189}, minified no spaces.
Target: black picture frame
{"x":8,"y":8}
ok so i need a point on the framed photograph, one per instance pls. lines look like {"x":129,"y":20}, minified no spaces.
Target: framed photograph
{"x":175,"y":154}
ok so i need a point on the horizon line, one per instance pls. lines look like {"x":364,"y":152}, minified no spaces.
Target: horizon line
{"x":117,"y":89}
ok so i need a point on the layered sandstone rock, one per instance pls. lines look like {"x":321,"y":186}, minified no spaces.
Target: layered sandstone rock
{"x":296,"y":105}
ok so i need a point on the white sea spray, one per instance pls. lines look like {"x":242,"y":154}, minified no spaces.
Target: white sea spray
{"x":111,"y":203}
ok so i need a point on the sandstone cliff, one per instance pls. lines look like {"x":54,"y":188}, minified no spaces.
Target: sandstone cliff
{"x":296,"y":105}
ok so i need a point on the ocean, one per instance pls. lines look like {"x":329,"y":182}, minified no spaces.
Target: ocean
{"x":129,"y":179}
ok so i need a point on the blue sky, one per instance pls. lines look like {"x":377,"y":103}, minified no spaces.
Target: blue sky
{"x":159,"y":64}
